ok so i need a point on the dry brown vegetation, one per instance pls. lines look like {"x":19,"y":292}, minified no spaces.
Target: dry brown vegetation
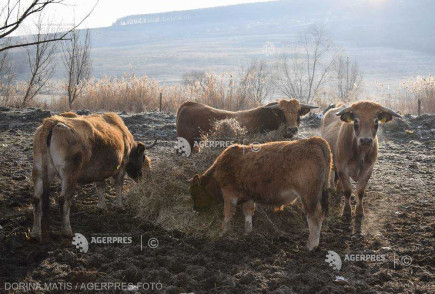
{"x":138,"y":94}
{"x":168,"y":202}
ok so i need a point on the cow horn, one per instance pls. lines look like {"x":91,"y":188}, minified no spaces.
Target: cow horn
{"x":344,"y":110}
{"x":149,"y":146}
{"x":308,"y":106}
{"x":393,"y":113}
{"x":272,"y":105}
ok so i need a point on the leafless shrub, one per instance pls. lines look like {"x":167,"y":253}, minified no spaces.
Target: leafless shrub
{"x":7,"y":78}
{"x":423,"y":89}
{"x":192,"y":77}
{"x":303,"y":72}
{"x":41,"y":62}
{"x":348,"y":79}
{"x":76,"y":57}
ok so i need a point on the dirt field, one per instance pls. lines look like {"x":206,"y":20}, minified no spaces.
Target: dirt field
{"x":399,"y":223}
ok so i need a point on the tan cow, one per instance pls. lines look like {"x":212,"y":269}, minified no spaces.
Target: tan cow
{"x":82,"y":149}
{"x":276,"y":174}
{"x":194,"y":118}
{"x":351,"y":133}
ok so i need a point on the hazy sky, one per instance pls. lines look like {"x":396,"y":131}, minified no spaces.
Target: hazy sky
{"x":107,"y":11}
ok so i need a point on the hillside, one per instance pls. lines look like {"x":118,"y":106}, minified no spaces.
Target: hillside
{"x":392,"y":40}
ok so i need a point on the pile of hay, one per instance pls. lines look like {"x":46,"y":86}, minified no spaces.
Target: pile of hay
{"x":164,"y":198}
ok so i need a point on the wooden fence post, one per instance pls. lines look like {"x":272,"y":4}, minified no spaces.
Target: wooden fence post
{"x":160,"y":102}
{"x":419,"y":106}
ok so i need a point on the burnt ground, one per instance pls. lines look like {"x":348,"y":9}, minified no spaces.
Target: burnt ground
{"x":399,"y":223}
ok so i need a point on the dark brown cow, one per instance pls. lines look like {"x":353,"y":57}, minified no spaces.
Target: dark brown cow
{"x":82,"y":149}
{"x":194,"y":118}
{"x":351,"y":133}
{"x":275,"y":174}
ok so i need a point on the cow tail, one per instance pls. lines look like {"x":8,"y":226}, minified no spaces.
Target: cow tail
{"x":324,"y":201}
{"x":44,"y":143}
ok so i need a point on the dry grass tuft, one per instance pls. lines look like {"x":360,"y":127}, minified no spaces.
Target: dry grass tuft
{"x":164,"y":196}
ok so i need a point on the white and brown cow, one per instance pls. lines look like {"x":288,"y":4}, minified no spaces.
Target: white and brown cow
{"x":82,"y":149}
{"x":351,"y":133}
{"x":275,"y":174}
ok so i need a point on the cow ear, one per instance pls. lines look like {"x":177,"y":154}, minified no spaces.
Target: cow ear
{"x":305,"y":109}
{"x":384,"y":117}
{"x":387,"y":114}
{"x":140,"y":148}
{"x":195,"y":180}
{"x":277,"y":112}
{"x":346,"y":115}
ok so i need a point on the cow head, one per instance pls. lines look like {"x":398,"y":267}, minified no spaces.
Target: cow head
{"x":138,"y":163}
{"x":202,"y":198}
{"x":292,"y":110}
{"x":365,"y":117}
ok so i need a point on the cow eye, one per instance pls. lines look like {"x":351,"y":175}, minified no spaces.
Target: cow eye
{"x":356,"y":124}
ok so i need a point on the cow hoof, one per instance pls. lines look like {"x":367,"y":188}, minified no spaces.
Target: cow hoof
{"x":36,"y":236}
{"x":247,"y":233}
{"x":120,"y":206}
{"x":311,"y":247}
{"x":102,"y":206}
{"x":359,"y":211}
{"x":347,"y":212}
{"x":68,"y":234}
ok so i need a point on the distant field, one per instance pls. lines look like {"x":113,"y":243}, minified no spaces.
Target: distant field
{"x":166,"y":60}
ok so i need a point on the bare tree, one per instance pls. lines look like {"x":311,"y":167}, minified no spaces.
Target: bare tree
{"x":41,"y":62}
{"x":76,"y":54}
{"x":302,"y":73}
{"x":349,"y":79}
{"x":7,"y":77}
{"x":14,"y":12}
{"x":257,"y":81}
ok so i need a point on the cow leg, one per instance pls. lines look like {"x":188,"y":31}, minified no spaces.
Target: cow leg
{"x":101,"y":188}
{"x":347,"y":188}
{"x":41,"y":199}
{"x":119,"y":181}
{"x":332,"y":179}
{"x":360,"y":188}
{"x":65,"y":200}
{"x":230,"y":202}
{"x":248,"y":211}
{"x":315,"y":220}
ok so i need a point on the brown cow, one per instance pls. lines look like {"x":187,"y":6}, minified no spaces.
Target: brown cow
{"x":196,"y":118}
{"x":82,"y":149}
{"x":351,"y":133}
{"x":276,"y":174}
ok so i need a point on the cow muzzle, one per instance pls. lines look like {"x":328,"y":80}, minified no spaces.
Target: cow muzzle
{"x":291,"y":132}
{"x":366,"y":141}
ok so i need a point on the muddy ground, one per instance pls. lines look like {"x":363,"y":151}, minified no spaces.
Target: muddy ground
{"x":399,"y":225}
